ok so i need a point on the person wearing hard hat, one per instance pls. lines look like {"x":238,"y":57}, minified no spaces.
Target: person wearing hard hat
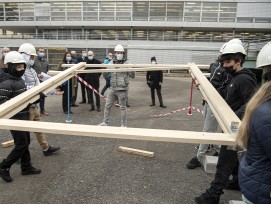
{"x":10,"y":87}
{"x":30,"y":76}
{"x":238,"y":93}
{"x":119,"y":84}
{"x":254,"y":135}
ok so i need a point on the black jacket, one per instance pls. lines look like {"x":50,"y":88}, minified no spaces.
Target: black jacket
{"x":153,"y":78}
{"x":219,"y":78}
{"x":240,"y":90}
{"x":11,"y":87}
{"x":93,"y":77}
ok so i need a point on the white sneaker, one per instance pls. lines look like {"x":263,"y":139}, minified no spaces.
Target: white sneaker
{"x":103,"y":124}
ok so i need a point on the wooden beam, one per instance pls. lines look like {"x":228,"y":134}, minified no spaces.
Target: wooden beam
{"x":7,"y":144}
{"x":136,"y":151}
{"x":119,"y":132}
{"x":223,"y":113}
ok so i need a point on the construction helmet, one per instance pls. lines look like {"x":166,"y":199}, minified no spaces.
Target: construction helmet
{"x":28,"y":49}
{"x":235,"y":40}
{"x":119,"y":48}
{"x":14,"y":57}
{"x":264,"y":56}
{"x":232,"y":48}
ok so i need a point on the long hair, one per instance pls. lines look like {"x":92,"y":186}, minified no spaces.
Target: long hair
{"x":64,"y":57}
{"x":262,"y":95}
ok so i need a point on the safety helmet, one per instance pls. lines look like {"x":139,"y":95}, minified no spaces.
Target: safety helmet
{"x":28,"y":49}
{"x":264,"y":56}
{"x":233,"y":48}
{"x":119,"y":48}
{"x":235,"y":40}
{"x":14,"y":57}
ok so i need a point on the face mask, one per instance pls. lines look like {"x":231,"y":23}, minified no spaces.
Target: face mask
{"x":85,"y":54}
{"x":68,"y":59}
{"x":230,"y":70}
{"x":110,"y":58}
{"x":119,"y":57}
{"x":31,"y":63}
{"x":12,"y":71}
{"x":5,"y":53}
{"x":90,"y":57}
{"x":19,"y":73}
{"x":153,"y":62}
{"x":41,"y":54}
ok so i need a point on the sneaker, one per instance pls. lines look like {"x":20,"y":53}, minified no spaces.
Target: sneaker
{"x":162,"y":106}
{"x":205,"y":198}
{"x":4,"y":174}
{"x":50,"y":150}
{"x":193,"y":163}
{"x":103,"y":124}
{"x":30,"y":171}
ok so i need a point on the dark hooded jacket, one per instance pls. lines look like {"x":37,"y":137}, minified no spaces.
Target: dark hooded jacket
{"x":240,"y":89}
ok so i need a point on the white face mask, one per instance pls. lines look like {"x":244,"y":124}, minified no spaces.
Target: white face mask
{"x":85,"y":54}
{"x":31,"y":63}
{"x":153,"y":62}
{"x":5,"y":53}
{"x":90,"y":57}
{"x":119,"y":57}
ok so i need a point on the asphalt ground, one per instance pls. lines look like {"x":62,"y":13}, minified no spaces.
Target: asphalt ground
{"x":91,"y":170}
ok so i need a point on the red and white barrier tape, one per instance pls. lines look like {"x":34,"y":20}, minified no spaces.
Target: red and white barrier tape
{"x":198,"y":110}
{"x":176,"y":111}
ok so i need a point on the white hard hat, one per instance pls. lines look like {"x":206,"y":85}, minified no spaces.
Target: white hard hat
{"x":233,"y":48}
{"x":119,"y":48}
{"x":235,"y":40}
{"x":14,"y":57}
{"x":264,"y":56}
{"x":28,"y":49}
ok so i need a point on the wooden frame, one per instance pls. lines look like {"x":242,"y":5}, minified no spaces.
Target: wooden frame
{"x":222,"y":111}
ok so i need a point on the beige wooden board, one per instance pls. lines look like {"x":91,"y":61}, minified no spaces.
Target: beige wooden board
{"x":119,"y":132}
{"x":7,"y":144}
{"x":136,"y":151}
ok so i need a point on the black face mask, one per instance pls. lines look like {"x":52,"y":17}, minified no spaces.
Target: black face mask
{"x":12,"y":71}
{"x":230,"y":70}
{"x":267,"y":77}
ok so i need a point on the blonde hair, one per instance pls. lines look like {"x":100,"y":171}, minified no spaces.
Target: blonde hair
{"x":262,"y":95}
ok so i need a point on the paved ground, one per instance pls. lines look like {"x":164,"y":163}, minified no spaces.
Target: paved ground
{"x":91,"y":170}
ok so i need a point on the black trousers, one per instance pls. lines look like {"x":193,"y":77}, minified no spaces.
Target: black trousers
{"x":227,"y":162}
{"x":21,"y":141}
{"x":74,"y":98}
{"x":65,"y":96}
{"x":159,"y":94}
{"x":83,"y":87}
{"x":90,"y":93}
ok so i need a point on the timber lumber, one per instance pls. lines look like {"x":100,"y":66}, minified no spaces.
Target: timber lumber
{"x":14,"y":105}
{"x":136,"y":151}
{"x":119,"y":132}
{"x":7,"y":144}
{"x":223,"y":113}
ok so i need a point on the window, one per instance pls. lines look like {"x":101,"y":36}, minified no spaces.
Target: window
{"x":171,"y":35}
{"x":157,"y":11}
{"x":140,"y":35}
{"x":227,"y":12}
{"x":27,"y":11}
{"x":90,"y":11}
{"x":155,"y":35}
{"x":175,"y":11}
{"x":123,"y":11}
{"x":123,"y":35}
{"x":192,"y":11}
{"x":2,"y":12}
{"x":107,"y":11}
{"x":210,"y":12}
{"x":74,"y":11}
{"x":42,"y":11}
{"x":58,"y":12}
{"x":140,"y":10}
{"x":12,"y":11}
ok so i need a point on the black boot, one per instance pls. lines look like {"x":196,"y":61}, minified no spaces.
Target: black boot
{"x":98,"y":109}
{"x":30,"y":170}
{"x":91,"y":108}
{"x":206,"y":198}
{"x":4,"y":174}
{"x":153,"y":104}
{"x":50,"y":150}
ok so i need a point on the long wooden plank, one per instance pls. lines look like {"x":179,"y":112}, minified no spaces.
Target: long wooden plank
{"x":136,"y":151}
{"x":171,"y":66}
{"x":16,"y":104}
{"x":223,"y":113}
{"x":119,"y":133}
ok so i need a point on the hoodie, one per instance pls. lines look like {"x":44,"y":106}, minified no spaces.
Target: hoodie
{"x":239,"y":90}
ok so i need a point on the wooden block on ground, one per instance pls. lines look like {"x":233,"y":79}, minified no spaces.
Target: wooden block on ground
{"x":7,"y":144}
{"x":236,"y":202}
{"x":136,"y":151}
{"x":209,"y":164}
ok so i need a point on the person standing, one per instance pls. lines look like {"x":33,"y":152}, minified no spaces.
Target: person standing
{"x":238,"y":93}
{"x":83,"y":58}
{"x":31,"y":79}
{"x":154,"y":81}
{"x":94,"y":80}
{"x":254,"y":135}
{"x":107,"y":77}
{"x":41,"y":65}
{"x":11,"y":86}
{"x":119,"y":85}
{"x":5,"y":51}
{"x":75,"y":81}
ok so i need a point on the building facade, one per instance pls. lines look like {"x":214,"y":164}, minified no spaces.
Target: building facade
{"x":174,"y":31}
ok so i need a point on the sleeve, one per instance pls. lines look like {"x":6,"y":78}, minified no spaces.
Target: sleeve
{"x":161,"y":76}
{"x":246,"y":88}
{"x":147,"y":76}
{"x":6,"y":92}
{"x":59,"y":68}
{"x":131,"y":74}
{"x":263,"y":134}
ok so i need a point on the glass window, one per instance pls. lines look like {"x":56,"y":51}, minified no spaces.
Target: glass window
{"x":174,"y":11}
{"x":140,"y":34}
{"x":155,"y":35}
{"x":109,"y":35}
{"x":107,"y":10}
{"x":123,"y":34}
{"x":42,"y":11}
{"x":27,"y":11}
{"x":2,"y":12}
{"x":12,"y":11}
{"x":74,"y":11}
{"x":94,"y":34}
{"x":210,"y":12}
{"x":192,"y":11}
{"x":244,"y":20}
{"x":157,"y":10}
{"x":58,"y":12}
{"x":90,"y":11}
{"x":123,"y":11}
{"x":262,"y":20}
{"x":227,"y":12}
{"x":171,"y":35}
{"x":140,"y":10}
